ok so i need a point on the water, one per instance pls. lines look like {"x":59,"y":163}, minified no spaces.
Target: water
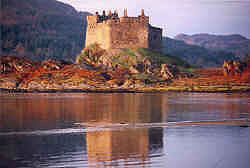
{"x":124,"y":130}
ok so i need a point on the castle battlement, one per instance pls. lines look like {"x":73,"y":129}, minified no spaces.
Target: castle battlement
{"x":114,"y":18}
{"x":112,"y":31}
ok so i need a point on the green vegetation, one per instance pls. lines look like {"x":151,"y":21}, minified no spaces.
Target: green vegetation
{"x":133,"y":57}
{"x":164,"y":58}
{"x":91,"y":54}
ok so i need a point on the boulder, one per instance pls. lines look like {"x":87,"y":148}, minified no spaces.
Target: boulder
{"x":54,"y":64}
{"x":165,"y":72}
{"x":9,"y":82}
{"x":147,"y":66}
{"x":128,"y":84}
{"x":14,"y":64}
{"x":132,"y":70}
{"x":233,"y":67}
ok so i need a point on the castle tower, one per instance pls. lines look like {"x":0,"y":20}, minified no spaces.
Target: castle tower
{"x":112,"y":31}
{"x":109,"y":13}
{"x":116,"y":13}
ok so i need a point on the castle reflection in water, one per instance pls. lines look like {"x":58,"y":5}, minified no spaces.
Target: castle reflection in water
{"x":132,"y":145}
{"x":41,"y":130}
{"x":103,"y":147}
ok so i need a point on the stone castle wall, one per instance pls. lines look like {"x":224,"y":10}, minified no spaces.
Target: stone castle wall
{"x":129,"y":33}
{"x":112,"y":32}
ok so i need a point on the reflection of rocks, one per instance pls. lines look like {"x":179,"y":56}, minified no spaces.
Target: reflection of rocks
{"x":32,"y":148}
{"x":112,"y":108}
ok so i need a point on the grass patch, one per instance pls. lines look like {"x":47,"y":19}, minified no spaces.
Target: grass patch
{"x":159,"y":58}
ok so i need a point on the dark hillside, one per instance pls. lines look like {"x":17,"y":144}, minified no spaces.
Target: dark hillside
{"x":41,"y":29}
{"x":234,"y":43}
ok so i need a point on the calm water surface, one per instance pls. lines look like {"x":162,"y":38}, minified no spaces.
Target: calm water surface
{"x":123,"y":130}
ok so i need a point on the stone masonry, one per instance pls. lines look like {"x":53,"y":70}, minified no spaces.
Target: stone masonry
{"x":112,"y":32}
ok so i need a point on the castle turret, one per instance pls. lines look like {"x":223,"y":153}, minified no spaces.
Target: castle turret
{"x":143,"y":18}
{"x":125,"y":13}
{"x":142,"y":12}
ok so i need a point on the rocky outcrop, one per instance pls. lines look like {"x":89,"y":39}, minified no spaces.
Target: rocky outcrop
{"x":91,"y":55}
{"x":233,"y":67}
{"x":9,"y":82}
{"x":168,"y":71}
{"x":54,"y":64}
{"x":140,"y":64}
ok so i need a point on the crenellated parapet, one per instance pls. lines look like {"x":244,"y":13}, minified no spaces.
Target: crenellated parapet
{"x":114,"y":18}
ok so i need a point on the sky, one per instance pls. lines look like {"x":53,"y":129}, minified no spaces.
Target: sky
{"x":181,"y":16}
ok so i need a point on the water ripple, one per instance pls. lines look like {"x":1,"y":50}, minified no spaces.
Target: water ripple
{"x":90,"y":127}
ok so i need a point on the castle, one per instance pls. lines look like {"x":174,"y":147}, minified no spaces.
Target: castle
{"x":112,"y":32}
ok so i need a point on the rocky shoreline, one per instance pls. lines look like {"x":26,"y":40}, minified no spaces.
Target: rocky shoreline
{"x":21,"y":75}
{"x":213,"y":89}
{"x":140,"y":89}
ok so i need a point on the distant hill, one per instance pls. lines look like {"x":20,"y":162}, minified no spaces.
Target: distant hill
{"x":194,"y":54}
{"x":236,"y":44}
{"x":41,"y":29}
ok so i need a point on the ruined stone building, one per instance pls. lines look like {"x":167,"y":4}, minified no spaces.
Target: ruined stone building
{"x":111,"y":31}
